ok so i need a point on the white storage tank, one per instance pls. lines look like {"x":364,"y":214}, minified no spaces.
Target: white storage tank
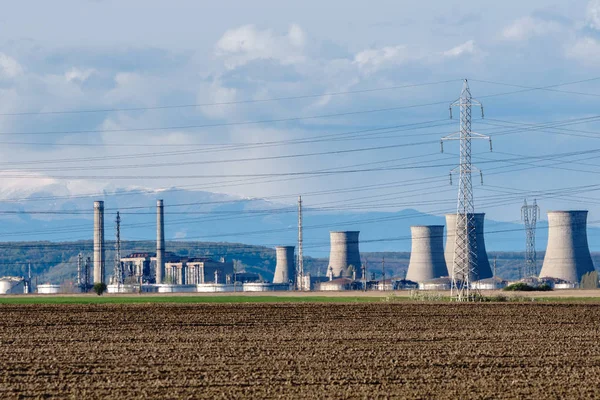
{"x":168,"y":288}
{"x":12,"y":285}
{"x":217,"y":288}
{"x":436,"y":284}
{"x":265,"y":287}
{"x":48,"y":289}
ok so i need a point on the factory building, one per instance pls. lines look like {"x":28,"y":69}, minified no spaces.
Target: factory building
{"x":427,"y":254}
{"x":285,"y":267}
{"x":194,"y":271}
{"x":136,"y":265}
{"x":483,"y":270}
{"x":567,"y":255}
{"x":344,"y":256}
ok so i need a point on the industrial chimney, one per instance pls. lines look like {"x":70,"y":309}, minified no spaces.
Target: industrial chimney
{"x":427,"y":253}
{"x":99,"y":267}
{"x":343,"y":254}
{"x":160,"y":241}
{"x":285,"y":268}
{"x":567,"y":255}
{"x":484,"y":270}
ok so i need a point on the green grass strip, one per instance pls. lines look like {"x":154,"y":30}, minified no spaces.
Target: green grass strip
{"x":141,"y":299}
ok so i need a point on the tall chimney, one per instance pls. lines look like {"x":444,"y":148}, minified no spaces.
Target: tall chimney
{"x":567,"y":255}
{"x":285,"y":268}
{"x":160,"y":241}
{"x":99,"y":270}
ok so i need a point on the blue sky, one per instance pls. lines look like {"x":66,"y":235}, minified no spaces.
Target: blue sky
{"x":86,"y":55}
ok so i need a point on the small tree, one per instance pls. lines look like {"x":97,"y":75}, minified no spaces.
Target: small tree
{"x":99,"y":288}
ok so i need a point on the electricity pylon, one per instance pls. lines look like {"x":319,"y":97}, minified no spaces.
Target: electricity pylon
{"x":119,"y":273}
{"x":300,"y":261}
{"x":464,"y":263}
{"x":529,"y":215}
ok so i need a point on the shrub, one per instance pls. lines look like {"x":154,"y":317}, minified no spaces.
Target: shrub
{"x":99,"y":288}
{"x":523,"y":287}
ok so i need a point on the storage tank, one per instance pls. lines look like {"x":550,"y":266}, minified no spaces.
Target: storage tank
{"x":427,"y":253}
{"x":48,"y":289}
{"x":99,"y":260}
{"x":343,"y":254}
{"x":483,"y":270}
{"x":265,"y":287}
{"x":567,"y":255}
{"x":285,"y":267}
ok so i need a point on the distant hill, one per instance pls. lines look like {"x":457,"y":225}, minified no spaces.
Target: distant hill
{"x":53,"y":214}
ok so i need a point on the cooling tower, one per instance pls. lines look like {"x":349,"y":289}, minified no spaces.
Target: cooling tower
{"x":285,"y":269}
{"x":567,"y":255}
{"x":483,"y":264}
{"x":160,"y":241}
{"x":343,"y":254}
{"x":427,"y":254}
{"x":99,"y":270}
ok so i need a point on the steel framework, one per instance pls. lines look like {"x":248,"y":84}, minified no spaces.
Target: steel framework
{"x":300,"y":261}
{"x":464,"y":264}
{"x":529,"y":216}
{"x":119,"y":273}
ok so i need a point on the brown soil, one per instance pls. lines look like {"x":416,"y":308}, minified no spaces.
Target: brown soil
{"x":377,"y":350}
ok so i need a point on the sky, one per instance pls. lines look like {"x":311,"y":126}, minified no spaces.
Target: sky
{"x":87,"y":90}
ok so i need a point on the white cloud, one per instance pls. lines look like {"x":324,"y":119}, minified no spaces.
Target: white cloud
{"x":528,"y":27}
{"x":9,"y":67}
{"x":593,"y":14}
{"x":586,"y":50}
{"x":466,"y":48}
{"x":215,"y":92}
{"x":376,"y":57}
{"x":78,"y":74}
{"x":247,"y":43}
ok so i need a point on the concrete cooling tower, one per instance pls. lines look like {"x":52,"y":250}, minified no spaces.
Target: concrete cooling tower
{"x":484,"y":270}
{"x":343,"y":254}
{"x":567,"y":255}
{"x":427,"y":254}
{"x":285,"y":269}
{"x":99,"y":261}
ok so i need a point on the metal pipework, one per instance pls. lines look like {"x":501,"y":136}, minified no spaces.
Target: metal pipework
{"x":343,"y":254}
{"x":483,"y":269}
{"x":160,"y":241}
{"x":567,"y":255}
{"x":285,"y":268}
{"x":99,"y":260}
{"x":427,"y":253}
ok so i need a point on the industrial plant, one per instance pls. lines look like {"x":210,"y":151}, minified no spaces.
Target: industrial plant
{"x":451,"y":257}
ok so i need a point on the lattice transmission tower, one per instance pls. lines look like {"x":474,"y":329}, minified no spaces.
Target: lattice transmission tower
{"x":119,"y":273}
{"x":300,"y":261}
{"x":529,"y":215}
{"x":464,"y":264}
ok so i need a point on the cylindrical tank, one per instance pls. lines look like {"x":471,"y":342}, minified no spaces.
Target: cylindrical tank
{"x":285,"y":268}
{"x":567,"y":255}
{"x":99,"y":260}
{"x":483,"y":270}
{"x":343,"y":254}
{"x":48,"y":289}
{"x":427,"y":253}
{"x":160,"y":241}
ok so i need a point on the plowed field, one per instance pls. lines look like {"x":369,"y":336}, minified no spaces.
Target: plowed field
{"x":375,"y":350}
